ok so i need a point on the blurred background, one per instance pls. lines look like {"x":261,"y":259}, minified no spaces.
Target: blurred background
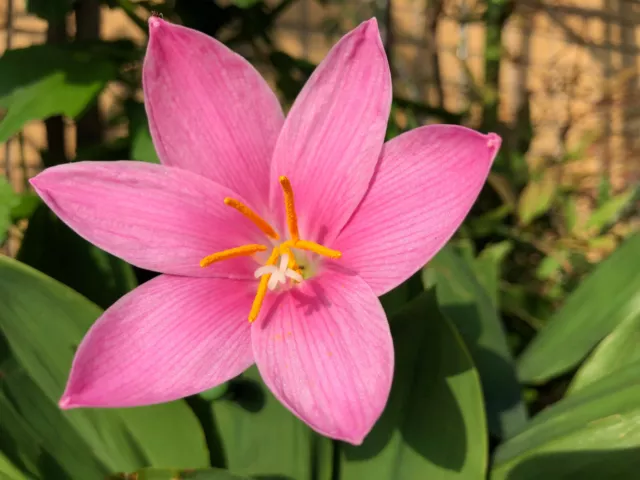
{"x":557,"y":79}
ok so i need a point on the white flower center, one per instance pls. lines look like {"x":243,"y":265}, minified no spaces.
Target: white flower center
{"x":278,"y":274}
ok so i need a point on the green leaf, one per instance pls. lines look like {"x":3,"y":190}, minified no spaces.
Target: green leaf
{"x":43,"y":322}
{"x":488,"y":268}
{"x":593,"y":434}
{"x":610,"y":210}
{"x":142,"y":148}
{"x":434,"y":424}
{"x":249,"y":421}
{"x":465,"y":302}
{"x":570,"y":210}
{"x":8,"y":471}
{"x":8,"y":201}
{"x":26,"y":205}
{"x":37,"y":428}
{"x":70,"y":259}
{"x":156,"y":474}
{"x":617,"y":350}
{"x":607,"y":297}
{"x":536,"y":198}
{"x":51,"y":10}
{"x":44,"y":80}
{"x":246,"y":3}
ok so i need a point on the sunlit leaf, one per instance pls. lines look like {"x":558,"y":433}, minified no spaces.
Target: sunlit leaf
{"x":44,"y":80}
{"x":605,"y":299}
{"x":8,"y":470}
{"x":593,"y":434}
{"x":609,"y":211}
{"x":617,"y":350}
{"x":536,"y":198}
{"x":172,"y":474}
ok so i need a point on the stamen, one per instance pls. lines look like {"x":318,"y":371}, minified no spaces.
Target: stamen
{"x":294,"y":275}
{"x":264,"y":270}
{"x":285,"y":258}
{"x":253,"y":216}
{"x":317,"y":248}
{"x":292,"y":219}
{"x":262,"y":287}
{"x":242,"y":251}
{"x":275,"y":279}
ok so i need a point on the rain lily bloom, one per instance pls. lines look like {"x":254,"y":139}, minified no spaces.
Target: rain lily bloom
{"x":274,"y":237}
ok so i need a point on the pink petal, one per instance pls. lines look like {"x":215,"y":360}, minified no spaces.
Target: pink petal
{"x":169,"y":338}
{"x":209,"y":110}
{"x":332,"y":137}
{"x":325,"y":351}
{"x":159,"y":218}
{"x":424,"y":186}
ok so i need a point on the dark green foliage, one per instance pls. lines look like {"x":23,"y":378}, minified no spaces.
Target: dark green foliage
{"x":516,"y":352}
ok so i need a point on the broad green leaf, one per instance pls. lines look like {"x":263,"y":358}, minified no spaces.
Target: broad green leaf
{"x":70,"y":259}
{"x":52,"y":10}
{"x":465,"y":302}
{"x":397,"y":299}
{"x":171,"y":474}
{"x":609,"y":211}
{"x":8,"y":201}
{"x":44,"y":80}
{"x":43,"y":322}
{"x":18,"y":443}
{"x":536,"y":198}
{"x":617,"y":350}
{"x":8,"y":471}
{"x":38,"y":429}
{"x":593,"y":434}
{"x":607,"y":297}
{"x":261,"y":437}
{"x":434,"y":423}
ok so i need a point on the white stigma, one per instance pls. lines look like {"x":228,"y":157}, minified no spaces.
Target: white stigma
{"x":278,"y":274}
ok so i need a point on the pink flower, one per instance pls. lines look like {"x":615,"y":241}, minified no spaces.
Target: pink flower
{"x":298,"y":224}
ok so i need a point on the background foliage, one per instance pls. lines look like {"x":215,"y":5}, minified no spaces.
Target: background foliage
{"x":517,"y":346}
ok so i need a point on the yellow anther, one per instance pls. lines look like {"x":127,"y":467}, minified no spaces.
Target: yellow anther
{"x":262,"y":287}
{"x":253,"y":216}
{"x":292,"y":219}
{"x":242,"y":251}
{"x":285,"y":248}
{"x":291,"y":264}
{"x":317,"y":248}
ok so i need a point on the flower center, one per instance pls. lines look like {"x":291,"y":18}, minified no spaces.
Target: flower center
{"x":271,"y":276}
